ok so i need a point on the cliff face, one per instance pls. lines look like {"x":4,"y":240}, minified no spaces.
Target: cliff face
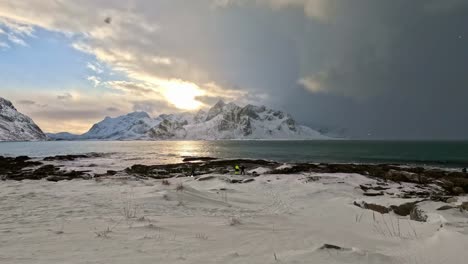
{"x":15,"y":126}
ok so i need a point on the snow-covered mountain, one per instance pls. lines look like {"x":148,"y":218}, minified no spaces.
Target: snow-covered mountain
{"x":62,"y":136}
{"x":15,"y":126}
{"x":222,"y":121}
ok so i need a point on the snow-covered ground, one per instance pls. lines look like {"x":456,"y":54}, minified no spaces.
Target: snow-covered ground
{"x":274,"y":219}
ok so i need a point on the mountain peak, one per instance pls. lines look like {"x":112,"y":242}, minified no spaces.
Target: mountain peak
{"x":220,"y":104}
{"x":5,"y":102}
{"x":14,"y":126}
{"x":139,"y":114}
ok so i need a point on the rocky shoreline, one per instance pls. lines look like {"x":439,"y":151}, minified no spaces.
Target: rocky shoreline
{"x":451,"y":183}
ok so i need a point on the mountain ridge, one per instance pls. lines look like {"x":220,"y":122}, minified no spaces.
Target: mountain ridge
{"x":222,"y":121}
{"x":15,"y":126}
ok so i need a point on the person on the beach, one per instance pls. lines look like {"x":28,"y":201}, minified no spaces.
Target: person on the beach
{"x":242,"y":170}
{"x":236,"y":170}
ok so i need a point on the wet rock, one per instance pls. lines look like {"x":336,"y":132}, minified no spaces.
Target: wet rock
{"x":111,"y":172}
{"x":13,"y":167}
{"x":45,"y":171}
{"x":189,"y":159}
{"x":73,"y":157}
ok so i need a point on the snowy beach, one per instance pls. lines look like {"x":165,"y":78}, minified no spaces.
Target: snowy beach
{"x":294,"y":218}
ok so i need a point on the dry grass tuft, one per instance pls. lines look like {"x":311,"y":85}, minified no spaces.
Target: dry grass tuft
{"x":233,"y":221}
{"x":180,"y":187}
{"x":201,"y":236}
{"x":166,"y":182}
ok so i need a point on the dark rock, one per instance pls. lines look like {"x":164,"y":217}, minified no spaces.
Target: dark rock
{"x":189,"y":159}
{"x":248,"y":180}
{"x":22,"y":158}
{"x":73,"y":157}
{"x":403,"y":209}
{"x":464,"y":206}
{"x":45,"y":171}
{"x":373,"y":193}
{"x":333,"y":247}
{"x":206,"y":178}
{"x":445,"y":207}
{"x":111,"y":172}
{"x":374,"y":207}
{"x":374,"y":188}
{"x":441,"y":198}
{"x":457,"y":190}
{"x":312,"y":178}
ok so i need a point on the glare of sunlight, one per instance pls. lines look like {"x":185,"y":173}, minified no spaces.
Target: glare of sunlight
{"x":182,"y":94}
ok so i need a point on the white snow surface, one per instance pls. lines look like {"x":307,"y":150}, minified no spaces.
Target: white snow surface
{"x":222,"y":121}
{"x":15,"y":126}
{"x":278,"y":219}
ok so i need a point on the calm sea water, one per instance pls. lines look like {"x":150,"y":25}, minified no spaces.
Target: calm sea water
{"x":430,"y":153}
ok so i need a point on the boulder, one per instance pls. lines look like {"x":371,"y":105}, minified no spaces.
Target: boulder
{"x":403,"y":209}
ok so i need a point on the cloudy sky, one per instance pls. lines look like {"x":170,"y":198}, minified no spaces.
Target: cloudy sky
{"x":376,"y":68}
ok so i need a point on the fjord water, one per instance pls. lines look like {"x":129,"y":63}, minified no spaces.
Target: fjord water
{"x":430,"y":153}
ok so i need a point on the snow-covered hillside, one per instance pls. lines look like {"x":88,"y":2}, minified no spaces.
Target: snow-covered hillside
{"x":15,"y":126}
{"x":222,"y":121}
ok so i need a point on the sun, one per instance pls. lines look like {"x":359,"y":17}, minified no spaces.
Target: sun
{"x":183,"y":95}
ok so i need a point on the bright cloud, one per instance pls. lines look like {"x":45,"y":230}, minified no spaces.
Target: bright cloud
{"x":130,"y":42}
{"x":94,"y":67}
{"x":95,"y":80}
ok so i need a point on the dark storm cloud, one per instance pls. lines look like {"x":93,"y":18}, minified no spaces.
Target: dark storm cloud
{"x":381,"y":69}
